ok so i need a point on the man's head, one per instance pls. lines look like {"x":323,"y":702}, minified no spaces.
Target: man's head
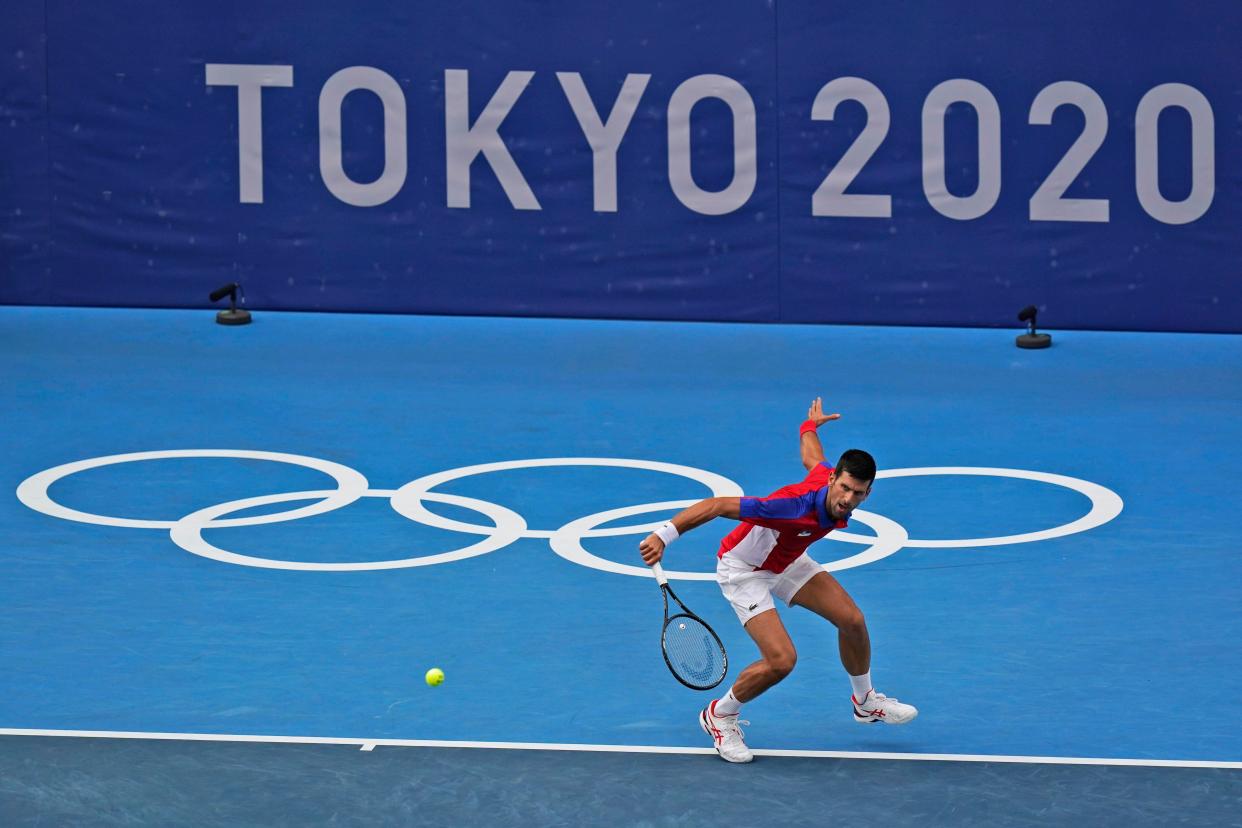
{"x":850,"y":483}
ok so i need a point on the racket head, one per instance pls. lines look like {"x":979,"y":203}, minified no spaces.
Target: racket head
{"x":693,"y":652}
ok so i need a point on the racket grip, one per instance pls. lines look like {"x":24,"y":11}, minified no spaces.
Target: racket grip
{"x":660,"y":577}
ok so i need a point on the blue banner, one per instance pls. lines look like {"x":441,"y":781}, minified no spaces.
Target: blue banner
{"x":1081,"y":156}
{"x":24,"y":155}
{"x":800,"y":161}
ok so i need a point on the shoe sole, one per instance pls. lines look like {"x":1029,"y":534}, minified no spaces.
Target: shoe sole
{"x":707,"y":729}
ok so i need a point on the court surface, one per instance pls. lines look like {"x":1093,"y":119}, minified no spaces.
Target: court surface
{"x":1049,"y":568}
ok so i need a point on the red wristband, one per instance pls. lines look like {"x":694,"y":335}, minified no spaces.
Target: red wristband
{"x":807,"y":425}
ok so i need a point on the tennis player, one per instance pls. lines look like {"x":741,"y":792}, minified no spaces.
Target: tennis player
{"x":765,"y":556}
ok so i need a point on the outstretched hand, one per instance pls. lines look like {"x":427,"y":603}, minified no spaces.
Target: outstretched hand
{"x":816,"y":413}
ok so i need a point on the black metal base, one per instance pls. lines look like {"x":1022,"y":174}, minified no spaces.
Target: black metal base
{"x":233,"y":317}
{"x":1036,"y":340}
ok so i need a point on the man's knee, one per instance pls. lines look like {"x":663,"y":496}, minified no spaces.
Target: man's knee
{"x":853,"y":623}
{"x":781,"y":664}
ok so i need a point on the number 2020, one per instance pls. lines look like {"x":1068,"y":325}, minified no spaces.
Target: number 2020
{"x":1049,"y":202}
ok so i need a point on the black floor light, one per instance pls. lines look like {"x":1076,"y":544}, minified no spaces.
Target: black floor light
{"x":232,"y":316}
{"x":1030,"y":339}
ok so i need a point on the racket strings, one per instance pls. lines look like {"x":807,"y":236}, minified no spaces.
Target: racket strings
{"x":693,"y":651}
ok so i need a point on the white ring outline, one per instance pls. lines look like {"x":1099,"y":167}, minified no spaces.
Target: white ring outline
{"x":33,"y":491}
{"x":567,"y":542}
{"x":1105,"y":505}
{"x":406,"y":502}
{"x":187,"y":533}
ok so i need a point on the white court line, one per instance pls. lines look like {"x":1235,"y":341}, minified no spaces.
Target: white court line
{"x":368,"y":744}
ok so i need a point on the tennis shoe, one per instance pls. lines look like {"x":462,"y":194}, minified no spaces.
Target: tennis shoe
{"x":877,"y":707}
{"x":726,"y":735}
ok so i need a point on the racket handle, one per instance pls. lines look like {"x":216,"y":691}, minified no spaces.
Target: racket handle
{"x":660,"y":577}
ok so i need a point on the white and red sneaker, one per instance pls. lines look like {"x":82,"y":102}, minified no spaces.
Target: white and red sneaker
{"x":726,"y":735}
{"x":877,"y":707}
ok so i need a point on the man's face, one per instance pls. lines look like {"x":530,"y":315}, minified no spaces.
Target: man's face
{"x":845,"y":492}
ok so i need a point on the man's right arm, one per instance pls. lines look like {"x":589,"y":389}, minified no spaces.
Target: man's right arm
{"x":652,"y":547}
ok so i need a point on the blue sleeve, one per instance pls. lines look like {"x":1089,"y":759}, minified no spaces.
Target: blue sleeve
{"x":773,"y":508}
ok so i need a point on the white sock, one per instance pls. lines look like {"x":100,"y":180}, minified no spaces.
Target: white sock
{"x":726,"y":706}
{"x":861,"y":685}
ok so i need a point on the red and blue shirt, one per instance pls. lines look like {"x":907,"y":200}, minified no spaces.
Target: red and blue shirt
{"x":776,"y":529}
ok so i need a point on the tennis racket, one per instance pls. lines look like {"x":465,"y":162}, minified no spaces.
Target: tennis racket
{"x":692,"y":650}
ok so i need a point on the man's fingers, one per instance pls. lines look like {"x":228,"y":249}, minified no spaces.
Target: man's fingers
{"x":651,"y":550}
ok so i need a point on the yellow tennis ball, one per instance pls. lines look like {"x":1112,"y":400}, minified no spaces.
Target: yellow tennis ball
{"x":434,"y":677}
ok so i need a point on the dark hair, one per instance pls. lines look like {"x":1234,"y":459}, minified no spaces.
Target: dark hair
{"x":858,"y":464}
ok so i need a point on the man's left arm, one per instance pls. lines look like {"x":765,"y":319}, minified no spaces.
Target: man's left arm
{"x":812,"y":450}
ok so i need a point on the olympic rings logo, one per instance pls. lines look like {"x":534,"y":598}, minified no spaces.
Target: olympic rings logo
{"x":507,"y":525}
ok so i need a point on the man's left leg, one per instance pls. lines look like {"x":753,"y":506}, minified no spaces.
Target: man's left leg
{"x":824,"y":596}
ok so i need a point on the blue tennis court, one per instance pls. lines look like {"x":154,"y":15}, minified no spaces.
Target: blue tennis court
{"x":231,"y":554}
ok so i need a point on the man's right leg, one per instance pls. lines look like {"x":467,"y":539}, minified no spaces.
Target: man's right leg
{"x":776,"y":659}
{"x":749,"y":592}
{"x":777,"y":656}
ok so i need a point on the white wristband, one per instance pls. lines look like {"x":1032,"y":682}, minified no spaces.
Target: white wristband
{"x":668,"y":533}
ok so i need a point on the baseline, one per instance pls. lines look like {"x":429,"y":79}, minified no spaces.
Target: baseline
{"x":371,"y":743}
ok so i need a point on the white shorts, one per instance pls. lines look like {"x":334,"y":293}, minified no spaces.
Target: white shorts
{"x":750,"y":590}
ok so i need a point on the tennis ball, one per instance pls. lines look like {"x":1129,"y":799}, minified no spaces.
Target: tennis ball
{"x":434,"y":677}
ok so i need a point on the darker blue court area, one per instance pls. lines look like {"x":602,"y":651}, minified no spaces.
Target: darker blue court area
{"x":1018,"y":629}
{"x":117,"y":782}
